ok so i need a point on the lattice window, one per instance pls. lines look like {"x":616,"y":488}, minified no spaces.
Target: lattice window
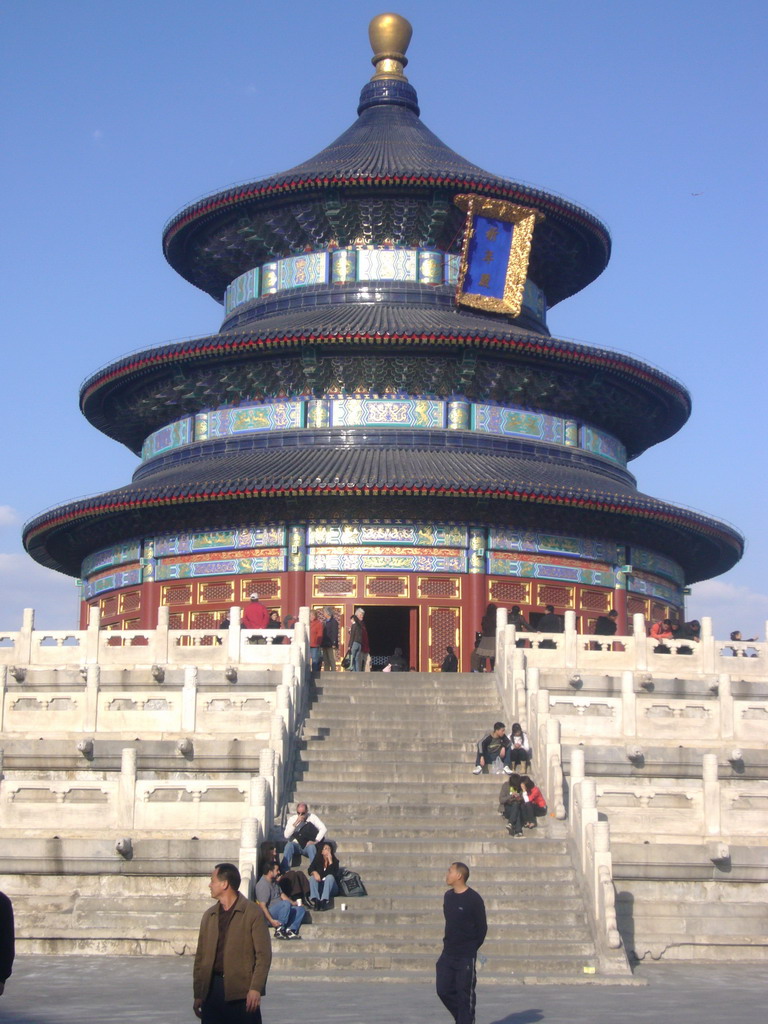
{"x":637,"y":606}
{"x":560,"y":597}
{"x":217,"y":593}
{"x":264,"y":587}
{"x":335,"y":586}
{"x":130,"y":602}
{"x":205,"y":620}
{"x":177,"y":620}
{"x":109,"y":606}
{"x":178,"y":595}
{"x":510,"y":592}
{"x":386,"y":586}
{"x":659,"y":611}
{"x":443,"y":631}
{"x":595,"y":600}
{"x":439,"y":586}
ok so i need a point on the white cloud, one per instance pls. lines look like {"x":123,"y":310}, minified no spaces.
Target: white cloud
{"x":730,"y":607}
{"x":8,"y":516}
{"x":25,"y":584}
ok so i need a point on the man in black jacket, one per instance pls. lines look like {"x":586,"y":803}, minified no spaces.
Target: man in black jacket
{"x":7,"y":940}
{"x":330,"y":642}
{"x":465,"y":930}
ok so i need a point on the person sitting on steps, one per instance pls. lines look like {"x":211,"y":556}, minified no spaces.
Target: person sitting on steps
{"x":519,"y":748}
{"x":534,"y":805}
{"x":324,"y":875}
{"x":304,"y":831}
{"x":282,"y":913}
{"x":510,"y":805}
{"x":494,"y":744}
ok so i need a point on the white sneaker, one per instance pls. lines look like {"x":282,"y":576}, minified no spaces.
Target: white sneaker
{"x":477,"y":769}
{"x":508,"y":770}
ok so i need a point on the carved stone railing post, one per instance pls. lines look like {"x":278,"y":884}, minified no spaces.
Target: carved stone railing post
{"x":189,"y":700}
{"x":727,"y":709}
{"x":233,"y":635}
{"x":711,"y":795}
{"x":92,"y":652}
{"x":278,"y":741}
{"x":91,"y":714}
{"x":283,"y":707}
{"x":555,"y":759}
{"x":3,"y":694}
{"x":577,"y":765}
{"x":162,"y":636}
{"x":126,"y":799}
{"x":501,"y":625}
{"x":707,"y":647}
{"x":641,"y":642}
{"x":250,"y":837}
{"x":23,"y":652}
{"x":628,"y":703}
{"x":571,"y":654}
{"x":265,"y":794}
{"x":604,"y":887}
{"x":518,"y":685}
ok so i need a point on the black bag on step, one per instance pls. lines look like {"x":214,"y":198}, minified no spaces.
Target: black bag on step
{"x":351,"y":884}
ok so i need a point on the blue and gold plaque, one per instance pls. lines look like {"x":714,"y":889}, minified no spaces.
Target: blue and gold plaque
{"x":494,"y":254}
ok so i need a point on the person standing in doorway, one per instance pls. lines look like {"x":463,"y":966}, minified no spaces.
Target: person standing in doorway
{"x":465,"y":930}
{"x":330,"y":642}
{"x":316,"y":623}
{"x":358,"y":641}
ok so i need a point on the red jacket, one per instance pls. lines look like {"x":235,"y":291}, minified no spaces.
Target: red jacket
{"x":315,"y":633}
{"x":255,"y":616}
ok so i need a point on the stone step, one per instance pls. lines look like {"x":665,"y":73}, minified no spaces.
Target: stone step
{"x":344,"y":811}
{"x":300,"y":956}
{"x":458,"y":770}
{"x":486,"y":853}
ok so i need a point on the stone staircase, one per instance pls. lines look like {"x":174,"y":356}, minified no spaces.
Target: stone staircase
{"x":387,"y":764}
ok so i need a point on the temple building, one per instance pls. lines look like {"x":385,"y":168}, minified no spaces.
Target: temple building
{"x":383,"y":420}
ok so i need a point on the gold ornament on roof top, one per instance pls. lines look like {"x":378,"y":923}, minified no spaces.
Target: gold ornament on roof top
{"x":390,"y":35}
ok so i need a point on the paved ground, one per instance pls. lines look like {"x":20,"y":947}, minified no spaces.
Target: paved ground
{"x":97,"y":990}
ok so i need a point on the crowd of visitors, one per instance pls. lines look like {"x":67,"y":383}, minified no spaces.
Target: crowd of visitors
{"x":520,"y":799}
{"x":285,"y":893}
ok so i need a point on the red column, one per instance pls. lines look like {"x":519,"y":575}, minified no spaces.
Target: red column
{"x":473,"y":610}
{"x":620,"y":604}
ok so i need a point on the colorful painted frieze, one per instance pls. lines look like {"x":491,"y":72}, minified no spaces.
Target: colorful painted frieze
{"x":395,"y":412}
{"x":415,"y":536}
{"x":657,"y":565}
{"x":572,"y":572}
{"x":555,"y":544}
{"x":119,"y":554}
{"x":599,"y":443}
{"x":495,"y":419}
{"x":111,"y":581}
{"x":219,"y":540}
{"x":270,"y":560}
{"x":652,"y":586}
{"x":167,"y":438}
{"x":384,"y":559}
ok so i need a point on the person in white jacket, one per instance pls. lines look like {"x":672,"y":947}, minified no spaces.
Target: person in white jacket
{"x":519,"y":748}
{"x":303,"y":831}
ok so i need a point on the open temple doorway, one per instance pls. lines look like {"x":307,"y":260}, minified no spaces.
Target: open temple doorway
{"x":391,"y":626}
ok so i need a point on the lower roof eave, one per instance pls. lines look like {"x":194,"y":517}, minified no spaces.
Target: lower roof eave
{"x":63,"y":536}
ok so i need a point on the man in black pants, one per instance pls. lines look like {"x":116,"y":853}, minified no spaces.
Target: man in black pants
{"x":465,"y":929}
{"x":6,"y":940}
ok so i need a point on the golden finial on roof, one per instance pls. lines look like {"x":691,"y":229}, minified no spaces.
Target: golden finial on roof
{"x":390,"y":35}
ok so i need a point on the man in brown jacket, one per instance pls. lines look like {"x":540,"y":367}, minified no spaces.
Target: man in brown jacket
{"x":233,"y":956}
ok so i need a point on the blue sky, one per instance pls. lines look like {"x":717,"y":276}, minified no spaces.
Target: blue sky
{"x":650,"y":115}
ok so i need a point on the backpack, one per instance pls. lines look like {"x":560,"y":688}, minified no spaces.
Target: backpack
{"x":351,"y":884}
